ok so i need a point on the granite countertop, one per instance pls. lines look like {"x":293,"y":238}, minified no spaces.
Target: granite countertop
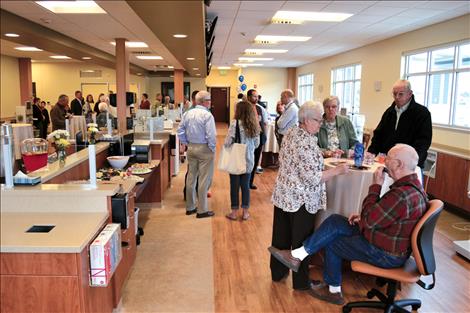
{"x":71,"y":234}
{"x":54,"y":169}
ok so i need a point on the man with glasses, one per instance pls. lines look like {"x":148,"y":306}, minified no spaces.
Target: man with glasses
{"x":405,"y":121}
{"x":197,"y":131}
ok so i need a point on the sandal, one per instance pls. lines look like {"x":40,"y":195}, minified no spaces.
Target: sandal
{"x":231,"y":217}
{"x":245,"y":217}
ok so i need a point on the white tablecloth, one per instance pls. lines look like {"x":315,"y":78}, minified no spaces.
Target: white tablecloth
{"x":20,"y":133}
{"x":271,"y":142}
{"x":77,"y":123}
{"x":345,"y":193}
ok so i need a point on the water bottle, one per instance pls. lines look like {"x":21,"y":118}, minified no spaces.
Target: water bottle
{"x":358,"y":154}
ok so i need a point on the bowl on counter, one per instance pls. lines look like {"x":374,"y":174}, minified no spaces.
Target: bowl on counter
{"x":118,"y":161}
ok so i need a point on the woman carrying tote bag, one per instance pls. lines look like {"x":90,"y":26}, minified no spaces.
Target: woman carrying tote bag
{"x":248,"y":128}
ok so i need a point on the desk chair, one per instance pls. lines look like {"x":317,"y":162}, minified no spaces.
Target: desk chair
{"x":422,"y":263}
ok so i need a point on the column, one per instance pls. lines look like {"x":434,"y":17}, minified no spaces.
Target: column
{"x":292,"y":79}
{"x":122,"y":82}
{"x":179,"y":86}
{"x":26,"y":80}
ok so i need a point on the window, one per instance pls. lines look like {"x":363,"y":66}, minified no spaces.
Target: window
{"x":305,"y":88}
{"x":440,"y":79}
{"x":346,"y":85}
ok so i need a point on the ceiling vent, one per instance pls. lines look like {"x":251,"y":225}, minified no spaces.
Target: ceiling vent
{"x":285,"y":21}
{"x":90,"y":73}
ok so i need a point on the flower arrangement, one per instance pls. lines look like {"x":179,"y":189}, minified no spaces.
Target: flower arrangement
{"x":92,"y":131}
{"x":60,"y":138}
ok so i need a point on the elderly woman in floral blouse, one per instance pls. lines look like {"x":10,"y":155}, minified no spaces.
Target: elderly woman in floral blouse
{"x":299,"y":191}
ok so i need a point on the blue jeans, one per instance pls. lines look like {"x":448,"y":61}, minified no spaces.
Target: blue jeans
{"x":344,"y":241}
{"x":236,"y":182}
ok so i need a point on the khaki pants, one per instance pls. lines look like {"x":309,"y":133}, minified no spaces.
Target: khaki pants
{"x":200,"y":164}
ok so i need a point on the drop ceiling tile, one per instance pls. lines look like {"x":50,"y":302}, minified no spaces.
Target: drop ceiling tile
{"x":422,"y":13}
{"x":397,"y":4}
{"x":444,"y":5}
{"x":314,"y":6}
{"x":365,"y":18}
{"x":255,"y":15}
{"x":217,"y":5}
{"x":260,"y":5}
{"x":380,"y":11}
{"x":347,"y":8}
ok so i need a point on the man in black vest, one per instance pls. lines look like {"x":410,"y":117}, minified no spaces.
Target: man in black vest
{"x":405,"y":121}
{"x":77,"y":103}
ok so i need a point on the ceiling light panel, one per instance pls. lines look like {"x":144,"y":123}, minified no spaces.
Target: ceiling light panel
{"x":12,"y":35}
{"x":247,"y":64}
{"x":299,"y":16}
{"x":60,"y":57}
{"x":180,"y":35}
{"x":262,"y":51}
{"x":254,"y":59}
{"x":149,"y":57}
{"x":223,"y":67}
{"x":72,"y":7}
{"x":30,"y":49}
{"x":272,"y":38}
{"x":133,"y":44}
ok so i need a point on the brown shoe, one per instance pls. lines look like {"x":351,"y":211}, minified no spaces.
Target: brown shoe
{"x":322,"y":292}
{"x":286,"y":258}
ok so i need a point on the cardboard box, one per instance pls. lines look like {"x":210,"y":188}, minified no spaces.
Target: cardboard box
{"x":105,"y":255}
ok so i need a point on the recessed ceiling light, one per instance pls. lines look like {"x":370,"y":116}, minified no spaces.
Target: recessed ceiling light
{"x":149,"y":57}
{"x":223,"y":67}
{"x":261,"y":51}
{"x":171,"y":76}
{"x":72,"y":7}
{"x":170,"y":66}
{"x":281,"y":38}
{"x":28,"y":49}
{"x":86,"y":58}
{"x":311,"y":16}
{"x":88,"y":71}
{"x":198,"y":74}
{"x":196,"y":68}
{"x":134,"y":44}
{"x":190,"y":59}
{"x":254,"y":59}
{"x":139,"y":74}
{"x":180,"y":35}
{"x":12,"y":35}
{"x":247,"y":64}
{"x":60,"y":57}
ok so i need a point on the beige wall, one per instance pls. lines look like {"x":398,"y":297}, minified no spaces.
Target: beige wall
{"x":225,"y":78}
{"x":381,"y":62}
{"x":269,"y":83}
{"x":53,"y":79}
{"x":10,"y":86}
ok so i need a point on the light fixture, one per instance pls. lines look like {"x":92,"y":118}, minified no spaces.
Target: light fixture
{"x":170,"y":66}
{"x":171,"y":76}
{"x":60,"y":57}
{"x":134,"y":44}
{"x":190,"y":59}
{"x":139,"y":74}
{"x":88,"y":71}
{"x":275,"y":39}
{"x":223,"y":67}
{"x":28,"y":49}
{"x":86,"y":58}
{"x":198,"y":74}
{"x":196,"y":68}
{"x":149,"y":57}
{"x":180,"y":35}
{"x":250,"y":59}
{"x":247,"y":64}
{"x":297,"y":17}
{"x":72,"y":7}
{"x":12,"y":35}
{"x":262,"y":51}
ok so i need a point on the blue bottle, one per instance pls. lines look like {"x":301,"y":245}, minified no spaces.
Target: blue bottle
{"x":358,"y":154}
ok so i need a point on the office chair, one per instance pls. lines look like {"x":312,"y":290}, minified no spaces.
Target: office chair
{"x":422,"y":263}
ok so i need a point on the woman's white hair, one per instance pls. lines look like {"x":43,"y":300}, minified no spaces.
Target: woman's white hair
{"x":310,"y":110}
{"x":201,"y":96}
{"x":103,"y":107}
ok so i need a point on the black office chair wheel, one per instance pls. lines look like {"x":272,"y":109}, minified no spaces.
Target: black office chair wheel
{"x":415,"y":307}
{"x":370,"y":295}
{"x":346,"y":309}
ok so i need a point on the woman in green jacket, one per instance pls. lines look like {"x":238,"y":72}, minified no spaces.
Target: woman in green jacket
{"x":336,"y":132}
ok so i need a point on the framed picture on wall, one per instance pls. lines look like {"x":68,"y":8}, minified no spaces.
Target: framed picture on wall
{"x":168,"y":89}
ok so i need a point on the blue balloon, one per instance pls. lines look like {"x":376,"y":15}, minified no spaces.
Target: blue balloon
{"x":241,"y":78}
{"x":243,"y":87}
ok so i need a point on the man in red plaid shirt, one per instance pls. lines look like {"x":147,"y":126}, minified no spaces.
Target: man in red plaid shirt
{"x":381,"y":235}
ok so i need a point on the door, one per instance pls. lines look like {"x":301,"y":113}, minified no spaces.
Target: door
{"x":220,"y":103}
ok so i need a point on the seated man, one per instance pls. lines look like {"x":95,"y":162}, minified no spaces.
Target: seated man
{"x":381,"y":235}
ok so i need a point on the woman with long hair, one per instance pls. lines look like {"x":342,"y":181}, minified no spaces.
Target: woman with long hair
{"x":249,"y":135}
{"x":88,"y":108}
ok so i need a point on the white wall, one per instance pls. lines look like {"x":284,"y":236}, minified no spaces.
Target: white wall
{"x":381,"y":62}
{"x":154,"y":85}
{"x":10,"y":86}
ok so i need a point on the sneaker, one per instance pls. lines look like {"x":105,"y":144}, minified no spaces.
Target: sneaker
{"x":322,"y":292}
{"x":259,"y":170}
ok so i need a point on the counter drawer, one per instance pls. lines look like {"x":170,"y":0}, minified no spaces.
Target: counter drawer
{"x":54,"y":264}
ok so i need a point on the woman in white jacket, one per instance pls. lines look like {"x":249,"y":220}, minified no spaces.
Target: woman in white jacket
{"x":249,"y":135}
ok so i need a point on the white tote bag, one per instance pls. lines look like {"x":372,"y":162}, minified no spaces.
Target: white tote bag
{"x":233,"y":158}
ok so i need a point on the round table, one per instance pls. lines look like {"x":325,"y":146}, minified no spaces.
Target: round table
{"x":77,"y":123}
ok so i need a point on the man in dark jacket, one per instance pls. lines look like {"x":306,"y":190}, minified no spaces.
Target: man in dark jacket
{"x":405,"y":121}
{"x":77,"y":103}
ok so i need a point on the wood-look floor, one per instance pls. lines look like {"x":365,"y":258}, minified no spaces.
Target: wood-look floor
{"x":242,"y":281}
